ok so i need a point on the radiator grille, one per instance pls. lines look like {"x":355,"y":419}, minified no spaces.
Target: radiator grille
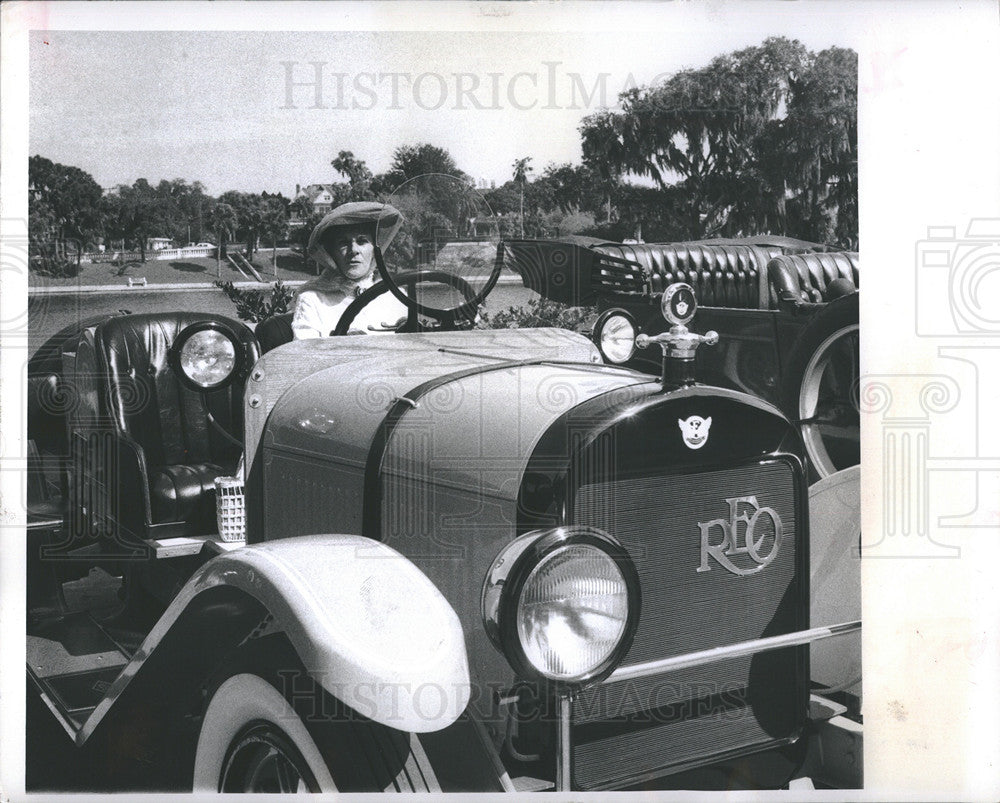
{"x":626,"y":730}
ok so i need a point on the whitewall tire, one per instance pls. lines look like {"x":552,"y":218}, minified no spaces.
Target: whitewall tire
{"x":252,"y":739}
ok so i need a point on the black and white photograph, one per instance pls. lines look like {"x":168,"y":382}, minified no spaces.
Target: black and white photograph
{"x":480,"y":398}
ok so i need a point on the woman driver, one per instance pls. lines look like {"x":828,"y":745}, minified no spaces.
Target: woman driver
{"x":343,"y":243}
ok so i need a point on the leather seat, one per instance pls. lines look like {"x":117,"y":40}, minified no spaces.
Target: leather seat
{"x":47,"y":400}
{"x":184,"y":492}
{"x":799,"y":278}
{"x":167,"y":453}
{"x":726,"y":275}
{"x":274,"y":332}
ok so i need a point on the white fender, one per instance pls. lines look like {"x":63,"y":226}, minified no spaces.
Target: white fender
{"x":367,"y":624}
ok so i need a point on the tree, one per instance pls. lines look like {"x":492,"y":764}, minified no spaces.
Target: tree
{"x":437,"y":199}
{"x":182,"y":208}
{"x":223,"y":220}
{"x":411,"y":161}
{"x":604,"y":152}
{"x":274,"y":225}
{"x":752,"y":136}
{"x":134,"y":214}
{"x":359,"y":177}
{"x":249,"y":210}
{"x":301,"y":206}
{"x":572,"y":188}
{"x":64,"y":203}
{"x":521,"y":169}
{"x":818,"y":149}
{"x":299,"y":235}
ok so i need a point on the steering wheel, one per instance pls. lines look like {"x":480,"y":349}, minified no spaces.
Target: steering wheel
{"x":409,"y":280}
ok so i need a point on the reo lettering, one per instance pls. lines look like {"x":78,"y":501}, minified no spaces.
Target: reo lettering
{"x":728,"y":534}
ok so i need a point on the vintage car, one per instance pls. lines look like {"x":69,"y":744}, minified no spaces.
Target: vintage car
{"x":786,"y":311}
{"x":448,"y":560}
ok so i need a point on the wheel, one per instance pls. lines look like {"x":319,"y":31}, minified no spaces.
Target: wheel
{"x":252,"y":740}
{"x":263,"y":759}
{"x":255,"y":739}
{"x":409,"y":280}
{"x":821,"y":387}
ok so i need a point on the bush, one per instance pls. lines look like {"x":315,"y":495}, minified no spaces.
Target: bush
{"x":536,"y":313}
{"x":55,"y":267}
{"x":252,"y":304}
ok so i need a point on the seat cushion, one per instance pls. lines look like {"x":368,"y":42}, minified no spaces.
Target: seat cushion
{"x":274,"y":332}
{"x":185,"y":493}
{"x":722,"y":275}
{"x":806,"y":277}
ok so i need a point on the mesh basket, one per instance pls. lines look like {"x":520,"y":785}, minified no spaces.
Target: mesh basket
{"x":229,"y":509}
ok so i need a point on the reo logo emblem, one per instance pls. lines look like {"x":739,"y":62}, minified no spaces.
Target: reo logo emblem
{"x":694,"y":430}
{"x":747,"y":523}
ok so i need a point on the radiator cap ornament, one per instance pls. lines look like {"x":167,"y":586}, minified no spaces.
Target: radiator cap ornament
{"x":678,"y":344}
{"x":678,"y":304}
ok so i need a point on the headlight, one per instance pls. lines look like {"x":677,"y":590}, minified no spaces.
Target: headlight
{"x":562,"y":604}
{"x":614,"y":334}
{"x":206,"y":356}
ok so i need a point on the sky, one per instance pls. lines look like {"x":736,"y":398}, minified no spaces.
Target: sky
{"x":256,"y":111}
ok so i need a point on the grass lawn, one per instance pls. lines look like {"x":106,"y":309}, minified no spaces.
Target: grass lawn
{"x":182,"y":271}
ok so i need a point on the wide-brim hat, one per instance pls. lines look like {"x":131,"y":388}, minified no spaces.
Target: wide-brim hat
{"x":381,"y":220}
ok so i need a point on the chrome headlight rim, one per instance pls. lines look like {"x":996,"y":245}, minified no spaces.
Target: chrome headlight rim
{"x":601,"y":324}
{"x":505,"y":583}
{"x":174,"y":355}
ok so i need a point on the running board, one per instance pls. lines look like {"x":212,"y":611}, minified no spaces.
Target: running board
{"x":72,"y":662}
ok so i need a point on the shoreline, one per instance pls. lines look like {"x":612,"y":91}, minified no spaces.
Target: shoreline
{"x":180,"y":287}
{"x":175,"y":287}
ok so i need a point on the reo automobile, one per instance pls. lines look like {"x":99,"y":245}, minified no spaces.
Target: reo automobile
{"x":442,"y":559}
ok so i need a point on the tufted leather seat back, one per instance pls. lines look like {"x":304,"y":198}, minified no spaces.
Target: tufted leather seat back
{"x":274,"y":332}
{"x":148,"y":402}
{"x":145,"y":401}
{"x":725,"y":275}
{"x":805,"y":277}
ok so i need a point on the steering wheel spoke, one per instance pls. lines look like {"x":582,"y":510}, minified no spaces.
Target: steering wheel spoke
{"x":446,"y":319}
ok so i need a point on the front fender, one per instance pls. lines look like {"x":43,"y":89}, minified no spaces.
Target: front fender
{"x":367,"y":624}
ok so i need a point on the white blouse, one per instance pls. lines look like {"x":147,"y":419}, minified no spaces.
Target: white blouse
{"x":317,"y":313}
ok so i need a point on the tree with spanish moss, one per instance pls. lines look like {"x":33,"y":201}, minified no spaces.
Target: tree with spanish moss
{"x":760,"y":140}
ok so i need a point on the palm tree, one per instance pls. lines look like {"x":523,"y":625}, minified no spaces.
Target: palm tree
{"x":274,"y":226}
{"x":223,"y":220}
{"x":521,"y":169}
